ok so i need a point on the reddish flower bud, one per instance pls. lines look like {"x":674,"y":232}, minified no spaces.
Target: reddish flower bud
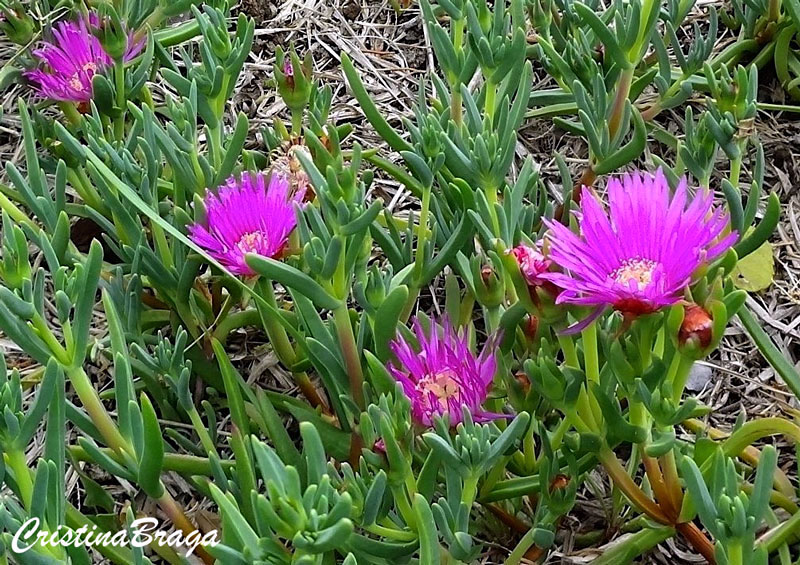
{"x":697,"y":326}
{"x":524,"y":382}
{"x":486,"y":274}
{"x":531,"y":326}
{"x":559,"y":482}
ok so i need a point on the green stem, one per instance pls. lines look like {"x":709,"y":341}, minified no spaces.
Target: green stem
{"x":119,"y":120}
{"x":187,"y":465}
{"x":234,"y":321}
{"x":147,"y":97}
{"x":154,"y":21}
{"x":347,"y":341}
{"x":778,"y":107}
{"x":734,"y":553}
{"x":491,"y":99}
{"x":70,"y":111}
{"x":750,"y":455}
{"x":558,"y":434}
{"x":297,"y":122}
{"x":80,"y":182}
{"x":281,"y":345}
{"x":422,"y":235}
{"x":732,"y":53}
{"x":620,"y":97}
{"x":175,"y":513}
{"x":413,"y":294}
{"x":458,"y":34}
{"x":590,"y":354}
{"x":521,"y":548}
{"x":774,"y":12}
{"x":754,"y":430}
{"x":626,"y":484}
{"x":202,"y":432}
{"x":496,"y":473}
{"x":585,"y":412}
{"x":491,"y":197}
{"x":215,"y":138}
{"x":640,"y":543}
{"x":570,"y":353}
{"x":404,"y":507}
{"x":776,"y":498}
{"x":736,"y":168}
{"x":14,"y":212}
{"x":391,"y":533}
{"x":50,"y":340}
{"x":470,"y":489}
{"x":658,"y":348}
{"x":592,"y":363}
{"x":672,"y":479}
{"x":276,"y":333}
{"x":75,"y":520}
{"x":681,"y":376}
{"x":97,"y":412}
{"x":172,"y":36}
{"x":15,"y":459}
{"x":781,"y":533}
{"x":456,"y":111}
{"x":493,"y":316}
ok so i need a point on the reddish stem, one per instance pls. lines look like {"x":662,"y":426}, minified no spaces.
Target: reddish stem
{"x":698,"y":540}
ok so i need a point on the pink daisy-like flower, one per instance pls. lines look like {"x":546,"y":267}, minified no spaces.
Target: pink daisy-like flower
{"x":641,"y":255}
{"x":251,"y":214}
{"x":71,"y":60}
{"x":443,"y":375}
{"x":532,"y":263}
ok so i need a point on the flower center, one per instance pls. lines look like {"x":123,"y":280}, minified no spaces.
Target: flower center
{"x":442,"y":384}
{"x":252,"y":242}
{"x":75,"y":80}
{"x":638,"y":270}
{"x":76,"y":83}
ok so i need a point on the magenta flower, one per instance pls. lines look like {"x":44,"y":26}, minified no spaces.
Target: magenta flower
{"x":640,"y":256}
{"x":532,"y":263}
{"x":443,"y":375}
{"x":288,"y":69}
{"x":71,"y":59}
{"x":251,"y":214}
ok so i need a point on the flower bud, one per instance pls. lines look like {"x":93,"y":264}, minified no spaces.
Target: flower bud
{"x":559,"y":482}
{"x":488,"y":283}
{"x":111,"y":32}
{"x":294,"y":79}
{"x":288,"y":70}
{"x":532,"y":263}
{"x":486,"y":274}
{"x":523,"y":381}
{"x":16,"y":23}
{"x":531,"y":326}
{"x":697,"y":327}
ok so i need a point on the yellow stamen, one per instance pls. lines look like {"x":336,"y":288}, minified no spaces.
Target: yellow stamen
{"x":638,"y":270}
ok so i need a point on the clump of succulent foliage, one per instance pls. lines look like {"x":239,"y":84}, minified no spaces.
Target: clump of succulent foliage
{"x":570,"y":318}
